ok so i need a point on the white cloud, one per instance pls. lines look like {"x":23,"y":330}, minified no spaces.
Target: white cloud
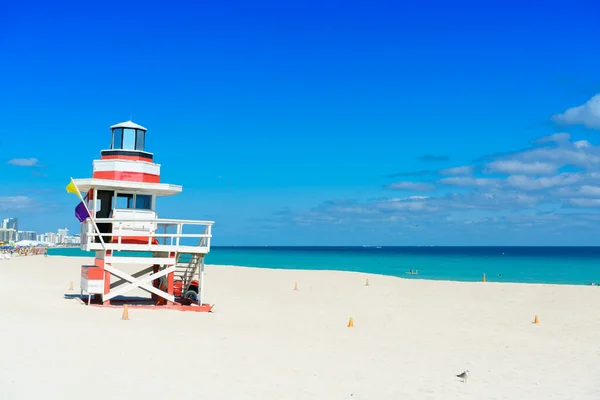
{"x":23,"y":162}
{"x":352,"y":210}
{"x":582,"y":144}
{"x":588,"y":190}
{"x":579,"y":153}
{"x":587,"y":114}
{"x":412,"y":186}
{"x":554,"y":138}
{"x":497,"y":200}
{"x":528,"y":183}
{"x":583,"y":191}
{"x":586,"y":157}
{"x":516,"y":167}
{"x":401,"y":204}
{"x":404,"y":205}
{"x":11,"y":203}
{"x":465,"y":170}
{"x":469,"y":181}
{"x":415,"y":207}
{"x":587,"y":203}
{"x":413,"y":198}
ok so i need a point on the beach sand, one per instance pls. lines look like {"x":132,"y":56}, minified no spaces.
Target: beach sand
{"x":266,"y":341}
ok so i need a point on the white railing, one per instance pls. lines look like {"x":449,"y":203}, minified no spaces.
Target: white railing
{"x":149,"y":233}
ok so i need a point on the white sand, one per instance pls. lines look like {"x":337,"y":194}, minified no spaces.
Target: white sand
{"x":266,"y":341}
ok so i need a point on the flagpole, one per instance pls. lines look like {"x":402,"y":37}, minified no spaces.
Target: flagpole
{"x":90,"y":215}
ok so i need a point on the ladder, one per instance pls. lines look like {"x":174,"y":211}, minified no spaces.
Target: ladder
{"x":186,"y":271}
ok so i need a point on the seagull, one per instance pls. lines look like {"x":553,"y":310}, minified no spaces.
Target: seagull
{"x":463,"y":376}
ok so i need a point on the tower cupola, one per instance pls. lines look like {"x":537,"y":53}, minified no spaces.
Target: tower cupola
{"x":128,"y":141}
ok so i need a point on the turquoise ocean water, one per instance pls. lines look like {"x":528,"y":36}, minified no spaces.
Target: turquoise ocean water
{"x":557,"y":265}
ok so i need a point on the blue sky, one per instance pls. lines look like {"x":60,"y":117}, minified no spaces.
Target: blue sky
{"x":444,"y":123}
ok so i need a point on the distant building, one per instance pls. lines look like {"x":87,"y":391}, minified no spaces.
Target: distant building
{"x":10,"y":223}
{"x":49,"y":237}
{"x":62,"y":235}
{"x":26,"y":235}
{"x":8,"y":235}
{"x":76,"y":239}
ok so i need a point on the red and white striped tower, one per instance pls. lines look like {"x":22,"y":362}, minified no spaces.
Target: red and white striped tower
{"x":127,"y":160}
{"x":121,"y":197}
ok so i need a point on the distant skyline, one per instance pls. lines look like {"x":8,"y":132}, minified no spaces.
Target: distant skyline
{"x":431,"y":123}
{"x":8,"y":222}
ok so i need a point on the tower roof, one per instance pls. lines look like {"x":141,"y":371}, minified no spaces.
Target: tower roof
{"x":128,"y":124}
{"x":159,"y":189}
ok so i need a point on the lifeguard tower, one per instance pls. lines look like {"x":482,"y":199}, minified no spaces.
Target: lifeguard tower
{"x":124,"y":229}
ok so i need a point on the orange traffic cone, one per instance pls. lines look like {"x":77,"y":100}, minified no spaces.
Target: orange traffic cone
{"x":125,"y":312}
{"x":351,"y":323}
{"x":536,"y":320}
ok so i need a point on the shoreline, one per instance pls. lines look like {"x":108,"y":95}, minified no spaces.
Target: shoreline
{"x":415,"y":277}
{"x":372,"y":274}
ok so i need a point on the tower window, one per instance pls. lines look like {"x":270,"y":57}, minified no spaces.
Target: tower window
{"x":133,"y":201}
{"x":128,"y":139}
{"x":124,"y":201}
{"x":117,"y":138}
{"x":139,"y":139}
{"x":143,"y":202}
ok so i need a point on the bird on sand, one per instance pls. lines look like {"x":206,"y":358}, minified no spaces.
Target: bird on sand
{"x":463,"y":376}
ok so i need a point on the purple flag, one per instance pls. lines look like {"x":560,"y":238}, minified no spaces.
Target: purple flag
{"x":81,"y":212}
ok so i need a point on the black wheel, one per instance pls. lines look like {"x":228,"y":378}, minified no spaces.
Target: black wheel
{"x":192,"y":295}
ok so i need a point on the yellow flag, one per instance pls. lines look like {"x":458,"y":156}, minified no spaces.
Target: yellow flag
{"x":71,"y":188}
